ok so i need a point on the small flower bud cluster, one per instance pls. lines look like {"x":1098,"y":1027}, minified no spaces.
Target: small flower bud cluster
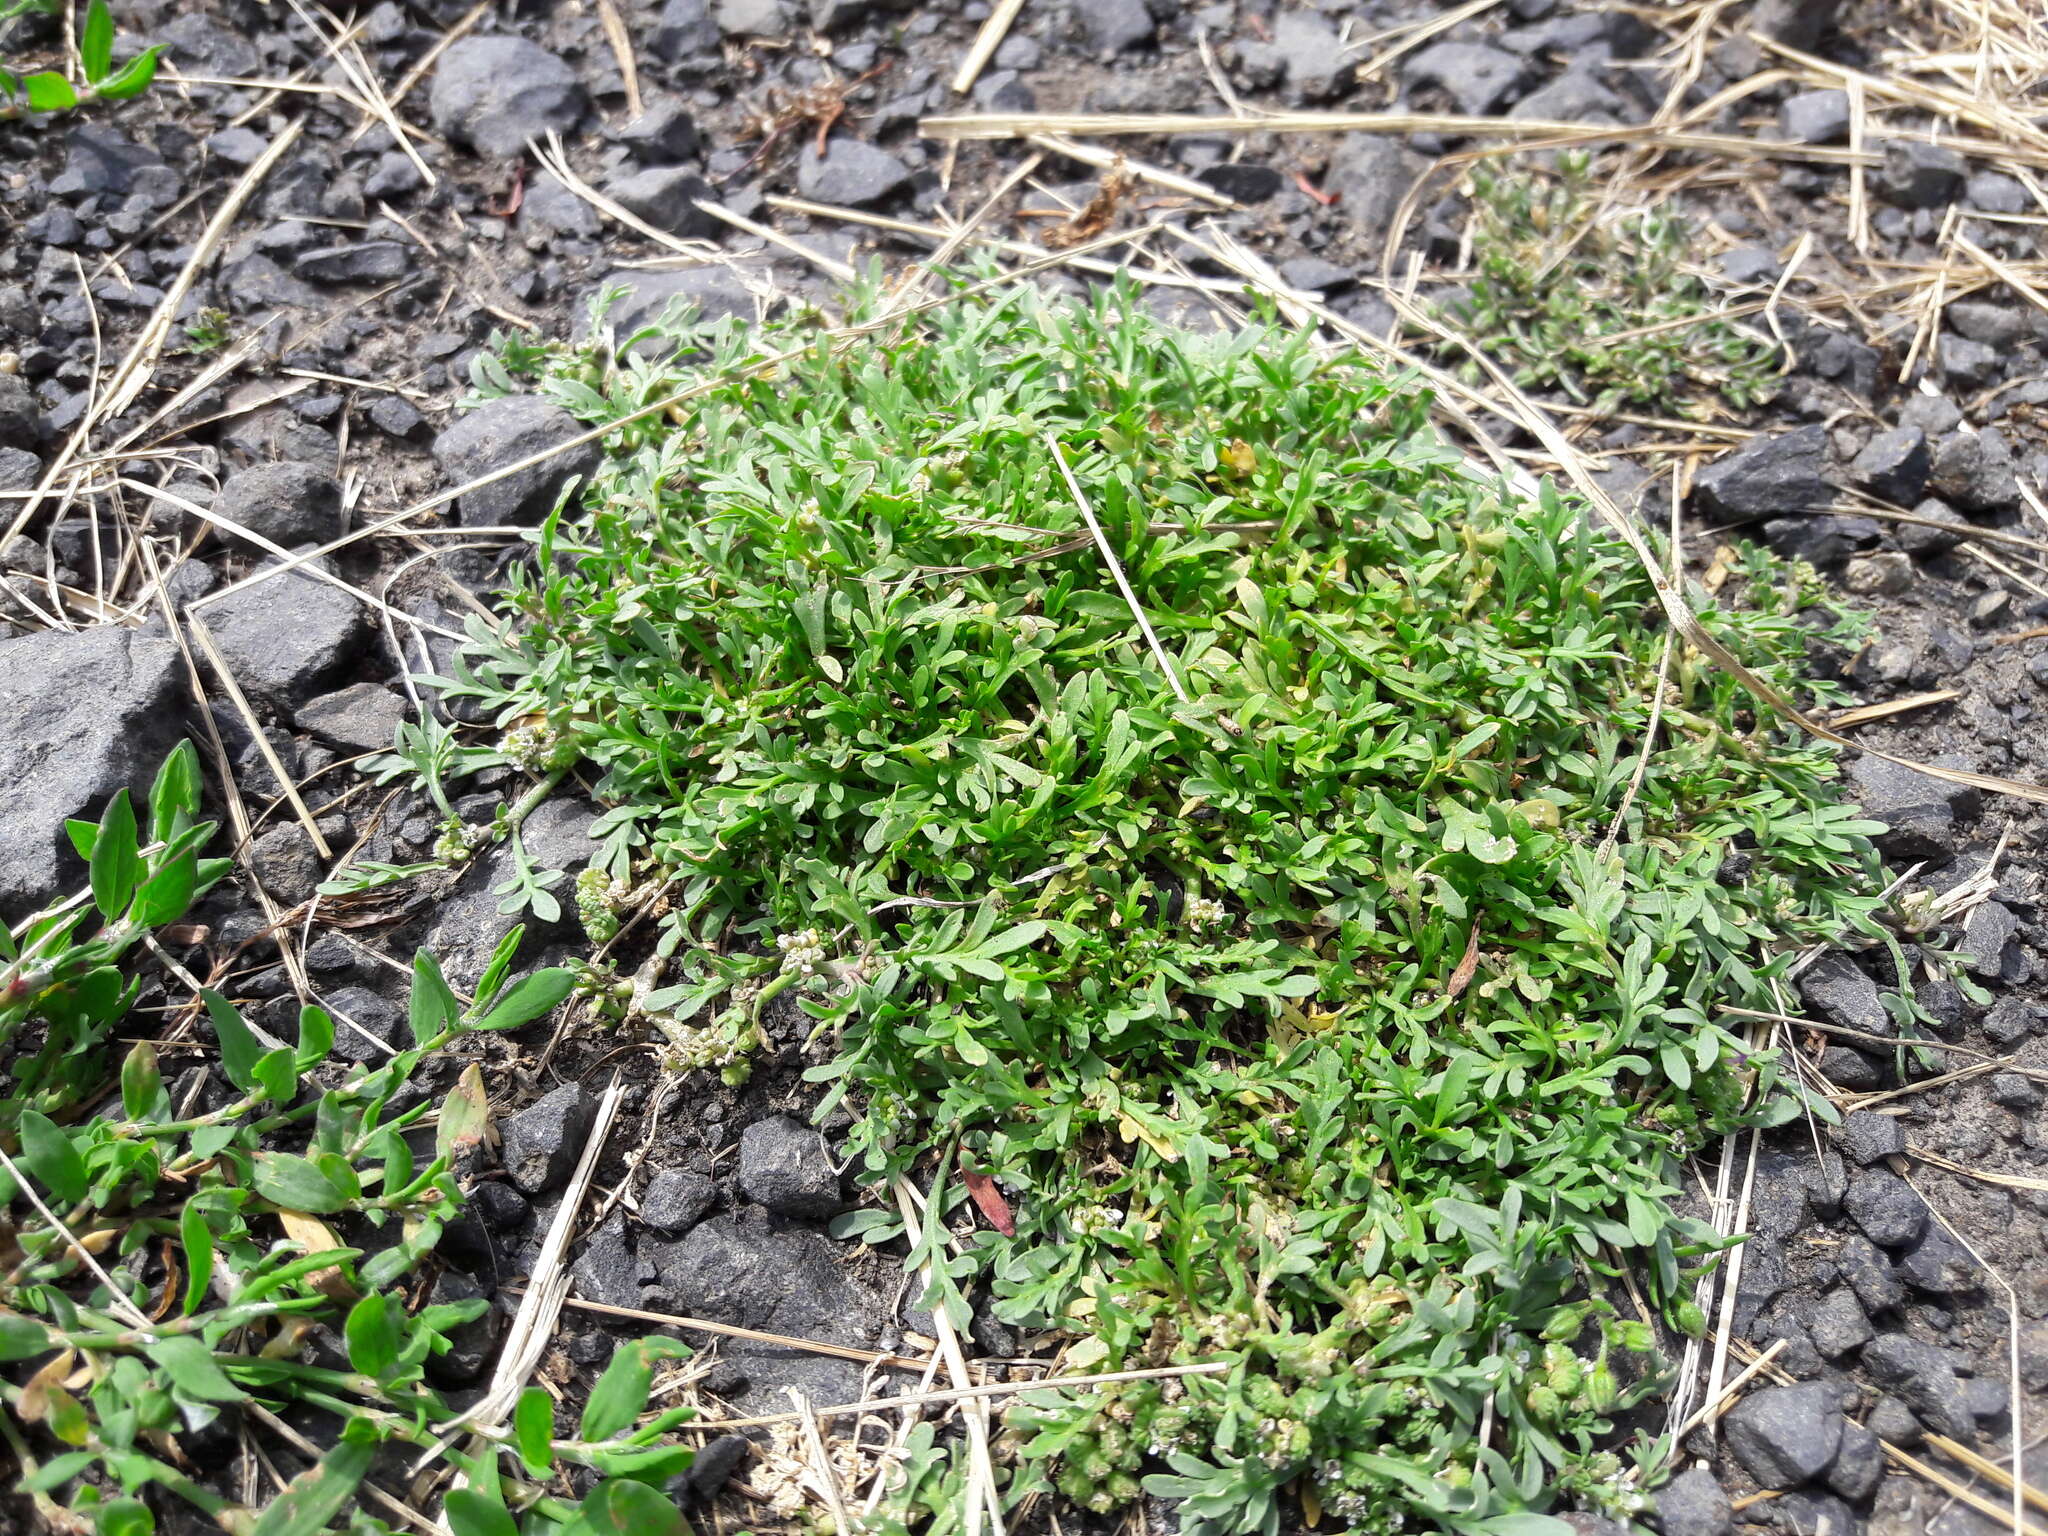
{"x":802,"y":952}
{"x":535,"y":746}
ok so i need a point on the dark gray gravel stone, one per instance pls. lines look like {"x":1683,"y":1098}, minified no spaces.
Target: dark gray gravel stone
{"x":1838,"y":1325}
{"x":1923,"y":1377}
{"x":81,"y":715}
{"x":288,"y":504}
{"x":1969,"y":365}
{"x":1996,"y":192}
{"x":1856,"y":1070}
{"x":1859,"y":1465}
{"x":1920,"y":175}
{"x":1837,"y":989}
{"x":1308,"y":55}
{"x":357,"y":261}
{"x":1885,"y":1208}
{"x":1795,"y":23}
{"x":285,"y":863}
{"x":467,"y":925}
{"x":2008,"y":1022}
{"x":363,"y":717}
{"x":1113,"y":26}
{"x":667,"y":197}
{"x":540,"y":1144}
{"x":850,"y":174}
{"x":470,"y":1345}
{"x":1244,"y":181}
{"x":1865,"y":1137}
{"x":1479,"y":77}
{"x":1918,"y":810}
{"x":1940,"y":1266}
{"x":786,"y":1167}
{"x":496,"y":93}
{"x":607,"y":1271}
{"x":645,"y":298}
{"x":504,"y":431}
{"x":288,"y":637}
{"x":21,"y":418}
{"x":1371,"y":174}
{"x":1988,"y":930}
{"x":1917,"y":539}
{"x":1890,"y":1419}
{"x":1694,"y":1504}
{"x":1996,"y":325}
{"x":358,"y":1010}
{"x":1974,"y":471}
{"x":1767,"y":475}
{"x":19,"y":469}
{"x":551,"y":208}
{"x":1894,"y":466}
{"x":2014,"y":1092}
{"x":1814,"y":117}
{"x":751,"y":18}
{"x":676,"y":1200}
{"x":1786,"y":1437}
{"x":662,"y":135}
{"x":396,"y":416}
{"x":1578,"y":95}
{"x":787,"y":1281}
{"x":683,"y":28}
{"x":1936,"y":415}
{"x":715,"y":1465}
{"x":501,"y":1207}
{"x":99,"y":159}
{"x":1869,"y":1274}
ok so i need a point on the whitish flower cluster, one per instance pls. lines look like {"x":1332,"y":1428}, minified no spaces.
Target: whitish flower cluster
{"x":537,"y":747}
{"x":459,"y":839}
{"x":802,"y":952}
{"x":1204,"y":912}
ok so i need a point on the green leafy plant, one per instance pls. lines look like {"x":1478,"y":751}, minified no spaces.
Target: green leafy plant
{"x":60,"y":970}
{"x":163,"y":1264}
{"x":48,"y":90}
{"x":1308,"y":992}
{"x":181,"y":1261}
{"x":207,"y":331}
{"x":1596,"y":302}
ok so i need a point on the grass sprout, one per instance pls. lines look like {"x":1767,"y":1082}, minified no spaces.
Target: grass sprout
{"x":1303,"y":1024}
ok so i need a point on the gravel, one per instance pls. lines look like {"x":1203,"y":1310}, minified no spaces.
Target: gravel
{"x":540,"y":1144}
{"x":502,"y":432}
{"x":1885,"y":1208}
{"x":1923,"y":1377}
{"x":1785,"y":1437}
{"x":286,"y":504}
{"x":65,"y":749}
{"x":850,"y":174}
{"x":1768,"y":475}
{"x":289,"y":636}
{"x":785,"y":1166}
{"x":496,"y":93}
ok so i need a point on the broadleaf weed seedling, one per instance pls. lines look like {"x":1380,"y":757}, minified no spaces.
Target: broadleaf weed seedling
{"x":1306,"y":1024}
{"x":45,"y":91}
{"x":166,"y":1262}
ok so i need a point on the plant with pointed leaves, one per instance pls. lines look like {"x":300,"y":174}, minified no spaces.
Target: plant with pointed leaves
{"x":1289,"y":987}
{"x":44,"y":91}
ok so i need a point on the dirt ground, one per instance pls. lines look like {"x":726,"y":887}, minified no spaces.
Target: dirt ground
{"x":331,"y":215}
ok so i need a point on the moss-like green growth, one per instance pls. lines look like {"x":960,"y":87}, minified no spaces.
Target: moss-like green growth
{"x":1597,"y":303}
